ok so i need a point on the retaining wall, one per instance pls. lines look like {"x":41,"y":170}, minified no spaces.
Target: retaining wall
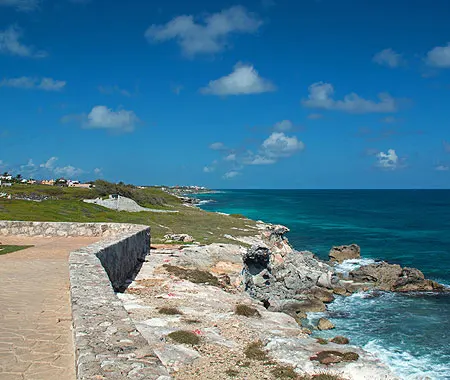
{"x":107,"y":344}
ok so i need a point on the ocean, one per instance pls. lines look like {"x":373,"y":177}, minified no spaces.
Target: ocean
{"x":409,"y":332}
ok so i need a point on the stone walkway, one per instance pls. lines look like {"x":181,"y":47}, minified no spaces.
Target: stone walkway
{"x":35,"y":315}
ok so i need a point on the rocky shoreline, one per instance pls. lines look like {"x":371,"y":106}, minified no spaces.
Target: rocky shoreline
{"x":197,"y":290}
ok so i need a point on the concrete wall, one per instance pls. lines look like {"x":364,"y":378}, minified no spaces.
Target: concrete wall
{"x":107,"y":344}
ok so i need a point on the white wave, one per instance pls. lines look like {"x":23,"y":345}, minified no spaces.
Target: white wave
{"x":408,"y":366}
{"x":204,"y":202}
{"x":350,"y":265}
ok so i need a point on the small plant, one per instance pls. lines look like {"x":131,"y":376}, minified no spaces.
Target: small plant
{"x":246,"y":311}
{"x":254,"y":351}
{"x":169,"y":311}
{"x":326,"y":376}
{"x":340,"y":340}
{"x":350,"y":356}
{"x":231,"y":372}
{"x":193,"y":275}
{"x":239,"y":216}
{"x":321,"y":341}
{"x":184,"y":337}
{"x":284,"y":372}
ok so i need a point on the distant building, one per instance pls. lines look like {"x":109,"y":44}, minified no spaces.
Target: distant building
{"x":49,"y":182}
{"x":5,"y":184}
{"x":6,"y":177}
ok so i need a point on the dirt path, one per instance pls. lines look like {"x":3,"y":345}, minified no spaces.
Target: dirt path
{"x":35,"y":315}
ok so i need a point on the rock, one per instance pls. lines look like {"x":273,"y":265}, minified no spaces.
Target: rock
{"x":340,"y":340}
{"x":331,"y":357}
{"x":344,"y":252}
{"x":185,"y":238}
{"x":392,"y":277}
{"x":322,"y":294}
{"x":340,"y":291}
{"x":296,"y":308}
{"x":324,"y":324}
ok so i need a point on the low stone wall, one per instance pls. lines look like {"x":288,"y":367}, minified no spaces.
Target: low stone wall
{"x":107,"y":344}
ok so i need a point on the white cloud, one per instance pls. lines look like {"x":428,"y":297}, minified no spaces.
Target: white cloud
{"x":243,"y":80}
{"x":28,"y":168}
{"x":105,"y":118}
{"x":68,"y":171}
{"x":50,"y":163}
{"x":210,"y":35}
{"x":441,"y":168}
{"x":230,"y":157}
{"x":98,"y":171}
{"x":321,"y":96}
{"x":231,"y":174}
{"x":10,"y":44}
{"x":208,"y":169}
{"x":218,"y":146}
{"x":110,"y":90}
{"x":279,"y":145}
{"x":388,"y":57}
{"x":283,"y":126}
{"x":388,"y":160}
{"x":45,"y":84}
{"x":439,"y":57}
{"x":259,"y":160}
{"x":389,"y":120}
{"x":21,"y":5}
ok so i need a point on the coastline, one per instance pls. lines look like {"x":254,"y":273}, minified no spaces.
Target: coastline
{"x":364,"y":294}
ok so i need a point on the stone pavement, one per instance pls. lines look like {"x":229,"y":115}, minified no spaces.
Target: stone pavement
{"x":35,"y":316}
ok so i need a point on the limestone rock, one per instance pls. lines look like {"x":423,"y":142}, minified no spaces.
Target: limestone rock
{"x":322,"y":294}
{"x":324,"y":324}
{"x":344,"y":252}
{"x":184,"y":238}
{"x":340,"y":340}
{"x":331,"y":357}
{"x":392,"y":277}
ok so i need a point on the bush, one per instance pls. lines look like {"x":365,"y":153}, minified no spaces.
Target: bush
{"x":246,"y":311}
{"x":169,"y":311}
{"x":239,"y":216}
{"x":284,"y":372}
{"x":321,"y":341}
{"x":184,"y":337}
{"x":193,"y":275}
{"x":254,"y":351}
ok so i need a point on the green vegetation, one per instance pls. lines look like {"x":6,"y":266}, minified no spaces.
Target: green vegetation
{"x":326,"y":376}
{"x":65,"y":205}
{"x":169,"y":311}
{"x":4,"y":249}
{"x":193,"y":275}
{"x":246,"y":311}
{"x":184,"y":337}
{"x":239,"y":216}
{"x":231,"y":372}
{"x":254,"y":351}
{"x":321,"y":341}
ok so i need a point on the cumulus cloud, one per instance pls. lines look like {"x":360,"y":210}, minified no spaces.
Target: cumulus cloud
{"x":10,"y":44}
{"x":218,"y":146}
{"x":259,"y":160}
{"x":207,"y":34}
{"x":110,"y":90}
{"x":231,"y":174}
{"x":21,"y":5}
{"x":230,"y":157}
{"x":279,"y":145}
{"x":68,"y":171}
{"x":283,"y":126}
{"x":389,"y":160}
{"x":321,"y":96}
{"x":50,"y":163}
{"x":244,"y":80}
{"x":441,"y":168}
{"x":439,"y":57}
{"x":388,"y":57}
{"x":102,"y":117}
{"x":44,"y":84}
{"x":208,"y":169}
{"x":29,"y":168}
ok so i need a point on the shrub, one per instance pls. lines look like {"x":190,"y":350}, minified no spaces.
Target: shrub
{"x":254,"y":351}
{"x":284,"y":372}
{"x":232,"y":372}
{"x":239,"y":216}
{"x":184,"y":337}
{"x":321,"y":341}
{"x":193,"y":275}
{"x":246,"y":311}
{"x":169,"y":311}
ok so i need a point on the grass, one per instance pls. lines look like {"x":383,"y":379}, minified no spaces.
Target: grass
{"x":321,"y":341}
{"x":4,"y":249}
{"x":205,"y":227}
{"x":196,"y":276}
{"x":231,"y":372}
{"x":284,"y":372}
{"x":185,"y":337}
{"x":246,"y":311}
{"x":254,"y":351}
{"x":169,"y":311}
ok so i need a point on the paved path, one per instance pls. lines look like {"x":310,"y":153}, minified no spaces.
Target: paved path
{"x":35,"y":316}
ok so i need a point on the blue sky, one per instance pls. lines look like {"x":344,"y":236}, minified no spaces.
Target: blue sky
{"x":227,"y":94}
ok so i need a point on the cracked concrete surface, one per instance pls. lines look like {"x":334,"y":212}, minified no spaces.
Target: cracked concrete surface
{"x":36,"y":340}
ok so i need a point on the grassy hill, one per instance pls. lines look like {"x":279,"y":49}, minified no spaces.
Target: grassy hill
{"x":66,"y":205}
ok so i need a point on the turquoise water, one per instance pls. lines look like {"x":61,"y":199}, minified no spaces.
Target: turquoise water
{"x":411,"y":333}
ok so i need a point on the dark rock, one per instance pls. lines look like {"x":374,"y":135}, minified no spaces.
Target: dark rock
{"x":331,"y":357}
{"x":340,"y":340}
{"x":344,"y":252}
{"x":392,"y":277}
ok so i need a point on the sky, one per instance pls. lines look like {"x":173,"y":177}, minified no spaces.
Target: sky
{"x":227,"y":94}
